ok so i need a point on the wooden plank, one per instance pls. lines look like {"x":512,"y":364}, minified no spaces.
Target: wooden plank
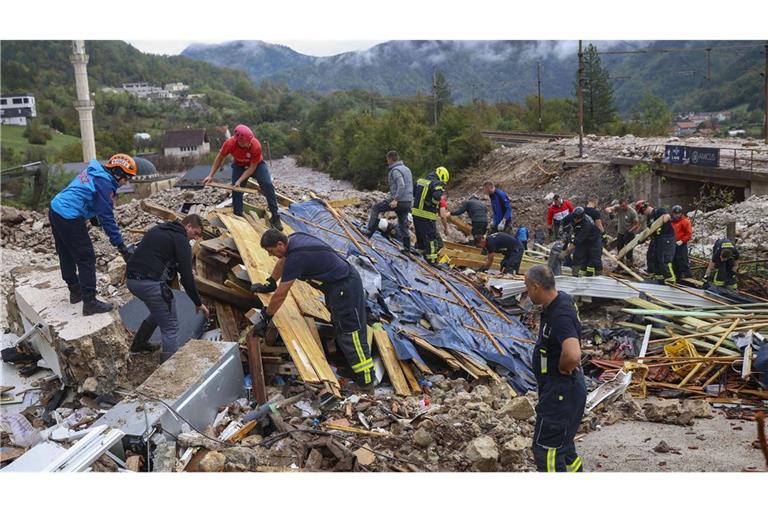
{"x":312,"y":326}
{"x":228,"y":321}
{"x":442,"y":354}
{"x":341,"y":203}
{"x":224,"y":293}
{"x":410,"y":377}
{"x":258,"y":386}
{"x":640,"y":237}
{"x":391,"y":362}
{"x":282,"y":200}
{"x":709,"y":354}
{"x":465,"y":228}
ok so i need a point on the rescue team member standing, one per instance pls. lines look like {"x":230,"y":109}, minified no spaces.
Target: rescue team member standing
{"x":661,"y":250}
{"x":557,"y":366}
{"x":725,"y":263}
{"x":302,"y":256}
{"x":594,"y":213}
{"x":478,"y":216}
{"x":683,"y":235}
{"x":163,"y":253}
{"x":89,"y":195}
{"x":506,"y":244}
{"x":501,"y":208}
{"x":247,"y":160}
{"x":399,"y":200}
{"x":628,"y":225}
{"x":558,"y":210}
{"x":586,"y":245}
{"x":428,"y":197}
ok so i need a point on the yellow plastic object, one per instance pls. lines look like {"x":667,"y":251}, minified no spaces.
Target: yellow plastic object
{"x":639,"y":373}
{"x":681,"y":348}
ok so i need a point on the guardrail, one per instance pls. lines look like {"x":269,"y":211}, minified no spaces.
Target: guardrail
{"x":730,"y":158}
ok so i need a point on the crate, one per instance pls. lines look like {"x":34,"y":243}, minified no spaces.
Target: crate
{"x":681,"y":348}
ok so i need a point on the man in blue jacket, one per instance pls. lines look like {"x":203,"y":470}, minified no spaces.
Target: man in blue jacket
{"x":90,"y":195}
{"x":501,"y":208}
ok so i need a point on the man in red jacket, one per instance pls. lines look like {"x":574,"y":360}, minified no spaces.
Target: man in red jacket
{"x":558,"y":210}
{"x":683,"y":234}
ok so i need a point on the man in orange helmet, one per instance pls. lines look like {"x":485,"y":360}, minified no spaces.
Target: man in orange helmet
{"x":90,"y":195}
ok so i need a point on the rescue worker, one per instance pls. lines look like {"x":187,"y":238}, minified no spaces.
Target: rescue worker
{"x":522,"y":235}
{"x":90,"y":195}
{"x":505,"y":244}
{"x":683,"y":235}
{"x":628,"y":225}
{"x":305,"y":257}
{"x":399,"y":200}
{"x":428,"y":196}
{"x":585,"y":244}
{"x":594,"y":213}
{"x":248,"y":160}
{"x":558,"y":210}
{"x":501,"y":208}
{"x":557,"y":366}
{"x":162,"y":254}
{"x":661,"y":250}
{"x":725,"y":263}
{"x":478,"y":216}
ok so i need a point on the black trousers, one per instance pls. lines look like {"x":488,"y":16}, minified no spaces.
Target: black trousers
{"x":428,"y":240}
{"x":511,"y":262}
{"x":587,"y":258}
{"x":75,"y":250}
{"x":661,"y":252}
{"x":681,"y":264}
{"x":479,"y":229}
{"x":402,"y":210}
{"x":724,"y":275}
{"x":623,"y":239}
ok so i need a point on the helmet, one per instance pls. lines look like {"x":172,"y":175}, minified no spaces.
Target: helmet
{"x":677,"y":209}
{"x":383,"y":224}
{"x":242,"y":133}
{"x":641,"y":205}
{"x":578,"y":213}
{"x":443,"y":174}
{"x":123,"y":162}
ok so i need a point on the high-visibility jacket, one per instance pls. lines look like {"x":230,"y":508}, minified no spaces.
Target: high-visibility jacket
{"x":427,"y":193}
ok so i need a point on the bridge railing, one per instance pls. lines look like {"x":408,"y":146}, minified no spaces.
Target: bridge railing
{"x":730,"y":158}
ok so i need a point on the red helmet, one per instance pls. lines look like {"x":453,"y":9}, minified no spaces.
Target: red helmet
{"x":243,"y":133}
{"x":641,"y":205}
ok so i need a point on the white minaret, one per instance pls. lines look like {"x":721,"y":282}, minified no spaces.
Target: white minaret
{"x":83,"y":104}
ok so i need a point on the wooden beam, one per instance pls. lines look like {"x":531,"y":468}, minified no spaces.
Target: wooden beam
{"x":229,"y":322}
{"x":258,"y":386}
{"x":224,"y":293}
{"x":708,"y":354}
{"x":465,"y":228}
{"x":390,"y":360}
{"x":341,"y":203}
{"x":282,"y":200}
{"x":640,"y":237}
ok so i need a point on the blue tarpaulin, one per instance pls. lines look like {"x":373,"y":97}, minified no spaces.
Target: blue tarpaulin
{"x":409,"y":293}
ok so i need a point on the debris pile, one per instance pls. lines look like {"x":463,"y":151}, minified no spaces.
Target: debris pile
{"x":751,"y":218}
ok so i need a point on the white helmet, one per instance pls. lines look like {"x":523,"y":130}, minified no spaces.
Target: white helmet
{"x":383,"y":225}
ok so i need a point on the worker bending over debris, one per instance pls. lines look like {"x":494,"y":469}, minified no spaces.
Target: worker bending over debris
{"x":628,"y":225}
{"x":305,"y":257}
{"x":661,"y":250}
{"x":586,"y":245}
{"x":725,"y":263}
{"x":90,"y":195}
{"x":557,"y":366}
{"x":399,"y":199}
{"x":558,"y":210}
{"x":248,"y":159}
{"x":683,"y":235}
{"x":478,"y":216}
{"x":501,"y":208}
{"x":594,"y":213}
{"x":162,"y":254}
{"x":429,"y":202}
{"x":506,"y":244}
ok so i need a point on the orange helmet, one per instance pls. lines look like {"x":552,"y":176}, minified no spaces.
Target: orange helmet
{"x":123,"y":162}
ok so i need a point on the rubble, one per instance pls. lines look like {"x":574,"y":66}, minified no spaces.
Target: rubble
{"x":212,"y":462}
{"x":482,"y":453}
{"x":751,"y":218}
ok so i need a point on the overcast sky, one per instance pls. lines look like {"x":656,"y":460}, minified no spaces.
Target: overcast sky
{"x":317,"y":48}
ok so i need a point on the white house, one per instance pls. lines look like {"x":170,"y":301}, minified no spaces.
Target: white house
{"x":181,"y":143}
{"x":176,"y":87}
{"x":15,"y":109}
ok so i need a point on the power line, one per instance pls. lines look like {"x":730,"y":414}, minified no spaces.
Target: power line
{"x":674,"y":50}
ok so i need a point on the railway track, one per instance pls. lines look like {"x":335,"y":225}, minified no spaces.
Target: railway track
{"x":523,"y":137}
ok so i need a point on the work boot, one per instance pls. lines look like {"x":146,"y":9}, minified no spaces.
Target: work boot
{"x":75,"y":295}
{"x":141,"y":338}
{"x":274,"y":221}
{"x":93,"y":306}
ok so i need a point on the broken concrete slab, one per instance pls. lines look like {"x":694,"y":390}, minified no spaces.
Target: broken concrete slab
{"x":514,"y":452}
{"x":519,"y":408}
{"x":482,"y":453}
{"x":74,"y":346}
{"x":212,"y":462}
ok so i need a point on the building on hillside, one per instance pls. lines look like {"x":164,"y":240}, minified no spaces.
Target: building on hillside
{"x":176,"y":87}
{"x":183,"y":143}
{"x":15,"y":109}
{"x":683,"y":128}
{"x":147,"y":91}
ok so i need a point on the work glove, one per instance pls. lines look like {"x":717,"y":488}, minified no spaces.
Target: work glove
{"x":679,"y":242}
{"x":126,"y":251}
{"x":501,"y":225}
{"x":605,"y":240}
{"x":268,"y":287}
{"x":261,"y":326}
{"x":706,"y":278}
{"x":95,"y":222}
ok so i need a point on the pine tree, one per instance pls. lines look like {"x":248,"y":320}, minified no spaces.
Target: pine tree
{"x":599,"y":110}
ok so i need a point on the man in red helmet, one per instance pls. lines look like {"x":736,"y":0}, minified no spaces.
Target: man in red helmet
{"x":247,"y":160}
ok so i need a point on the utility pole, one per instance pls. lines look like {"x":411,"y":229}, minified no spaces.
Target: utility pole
{"x":765,"y":93}
{"x":434,"y":92}
{"x":580,"y":95}
{"x":538,"y":80}
{"x":709,"y":64}
{"x":83,"y":104}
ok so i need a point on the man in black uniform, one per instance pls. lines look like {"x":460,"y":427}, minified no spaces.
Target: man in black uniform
{"x":594,"y":213}
{"x":586,"y":245}
{"x":478,"y":215}
{"x":305,"y":257}
{"x":725,"y":263}
{"x":661,"y":250}
{"x":162,"y":253}
{"x":427,"y":195}
{"x":556,"y":365}
{"x":506,"y":244}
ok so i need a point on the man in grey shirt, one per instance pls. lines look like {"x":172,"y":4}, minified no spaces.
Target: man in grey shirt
{"x":399,"y":199}
{"x":628,"y":225}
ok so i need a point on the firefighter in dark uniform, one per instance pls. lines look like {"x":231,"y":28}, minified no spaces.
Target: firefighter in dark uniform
{"x":427,"y":194}
{"x":305,"y":257}
{"x":505,"y":244}
{"x":559,"y":377}
{"x":594,"y":213}
{"x":586,"y":245}
{"x":478,"y":215}
{"x":725,"y":263}
{"x":661,"y":250}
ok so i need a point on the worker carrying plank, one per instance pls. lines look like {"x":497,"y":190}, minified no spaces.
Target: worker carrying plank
{"x":505,"y":244}
{"x":725,"y":263}
{"x":478,"y":216}
{"x":557,"y":366}
{"x":501,"y":208}
{"x":399,"y":199}
{"x":586,"y":244}
{"x":429,"y":203}
{"x":162,"y":255}
{"x":305,"y":257}
{"x":683,"y":235}
{"x":90,"y":195}
{"x":661,"y":250}
{"x":248,"y":160}
{"x":628,"y":225}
